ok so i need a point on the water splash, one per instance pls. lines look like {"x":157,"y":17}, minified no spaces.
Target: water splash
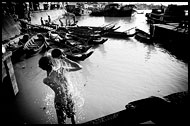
{"x":49,"y":108}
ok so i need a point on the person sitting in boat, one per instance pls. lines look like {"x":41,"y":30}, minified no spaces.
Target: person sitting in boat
{"x":54,"y":36}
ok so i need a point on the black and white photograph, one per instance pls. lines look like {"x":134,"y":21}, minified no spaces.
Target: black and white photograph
{"x":105,"y":63}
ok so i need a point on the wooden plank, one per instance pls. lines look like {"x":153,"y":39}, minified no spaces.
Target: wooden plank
{"x":4,"y":72}
{"x":12,"y":75}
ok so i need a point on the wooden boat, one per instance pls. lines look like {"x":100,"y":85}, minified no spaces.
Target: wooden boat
{"x":77,"y":48}
{"x":79,"y":57}
{"x":62,"y":30}
{"x":143,"y":36}
{"x":115,"y":10}
{"x":170,"y":14}
{"x":14,"y":43}
{"x":87,"y":41}
{"x":70,"y":46}
{"x":93,"y":30}
{"x":88,"y":36}
{"x":97,"y":42}
{"x":34,"y":45}
{"x":16,"y":47}
{"x":116,"y":34}
{"x":92,"y":27}
{"x":72,"y":56}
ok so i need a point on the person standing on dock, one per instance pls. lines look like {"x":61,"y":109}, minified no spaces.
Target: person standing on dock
{"x":42,"y":22}
{"x":29,"y":17}
{"x":49,"y":19}
{"x":57,"y":81}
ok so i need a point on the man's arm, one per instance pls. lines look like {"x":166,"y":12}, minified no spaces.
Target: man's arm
{"x":74,"y":66}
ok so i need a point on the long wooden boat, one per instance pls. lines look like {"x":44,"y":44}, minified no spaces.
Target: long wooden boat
{"x":78,"y":48}
{"x":34,"y":45}
{"x":142,"y":36}
{"x":70,"y":46}
{"x":116,"y":34}
{"x":79,"y":57}
{"x":14,"y":43}
{"x":92,"y":27}
{"x":88,"y":41}
{"x":88,"y":36}
{"x":71,"y":56}
{"x":92,"y":30}
{"x":97,"y":42}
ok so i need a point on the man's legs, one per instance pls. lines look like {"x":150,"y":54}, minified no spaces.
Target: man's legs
{"x":61,"y":115}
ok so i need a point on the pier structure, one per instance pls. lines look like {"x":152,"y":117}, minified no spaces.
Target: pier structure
{"x":169,"y":109}
{"x":169,"y":31}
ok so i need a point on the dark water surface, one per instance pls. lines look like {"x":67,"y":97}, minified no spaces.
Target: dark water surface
{"x":118,"y":72}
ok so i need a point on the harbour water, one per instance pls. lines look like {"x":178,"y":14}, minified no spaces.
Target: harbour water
{"x":118,"y":72}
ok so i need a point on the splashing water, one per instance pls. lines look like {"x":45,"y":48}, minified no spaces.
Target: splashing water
{"x":75,"y":84}
{"x":50,"y":108}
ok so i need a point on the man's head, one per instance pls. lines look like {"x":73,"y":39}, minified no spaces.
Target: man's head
{"x":45,"y":63}
{"x":56,"y":53}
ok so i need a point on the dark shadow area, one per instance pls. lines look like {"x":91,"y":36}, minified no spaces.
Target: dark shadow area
{"x":9,"y":114}
{"x":177,"y":48}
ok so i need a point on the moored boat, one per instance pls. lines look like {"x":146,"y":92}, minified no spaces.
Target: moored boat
{"x":142,"y":36}
{"x":116,"y":34}
{"x":97,"y":42}
{"x":34,"y":44}
{"x":115,"y":10}
{"x":71,"y":56}
{"x":79,"y":57}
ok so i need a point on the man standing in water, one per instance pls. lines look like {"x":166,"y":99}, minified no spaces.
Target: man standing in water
{"x":55,"y":79}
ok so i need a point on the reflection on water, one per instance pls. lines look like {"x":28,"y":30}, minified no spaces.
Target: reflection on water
{"x":150,"y":50}
{"x":49,"y":108}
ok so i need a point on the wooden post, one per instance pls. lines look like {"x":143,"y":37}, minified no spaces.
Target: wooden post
{"x":9,"y":70}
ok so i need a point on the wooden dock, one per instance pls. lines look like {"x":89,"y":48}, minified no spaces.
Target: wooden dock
{"x":170,"y":109}
{"x":170,"y":31}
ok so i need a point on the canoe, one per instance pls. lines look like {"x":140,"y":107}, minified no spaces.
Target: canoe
{"x":88,"y":36}
{"x":78,"y":48}
{"x":70,"y":46}
{"x":87,"y":41}
{"x":14,"y":43}
{"x":92,"y":29}
{"x":34,"y":45}
{"x":97,"y":42}
{"x":74,"y":57}
{"x":142,"y":36}
{"x":79,"y":57}
{"x":116,"y":34}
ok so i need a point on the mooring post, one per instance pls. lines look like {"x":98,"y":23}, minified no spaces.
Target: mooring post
{"x":9,"y":71}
